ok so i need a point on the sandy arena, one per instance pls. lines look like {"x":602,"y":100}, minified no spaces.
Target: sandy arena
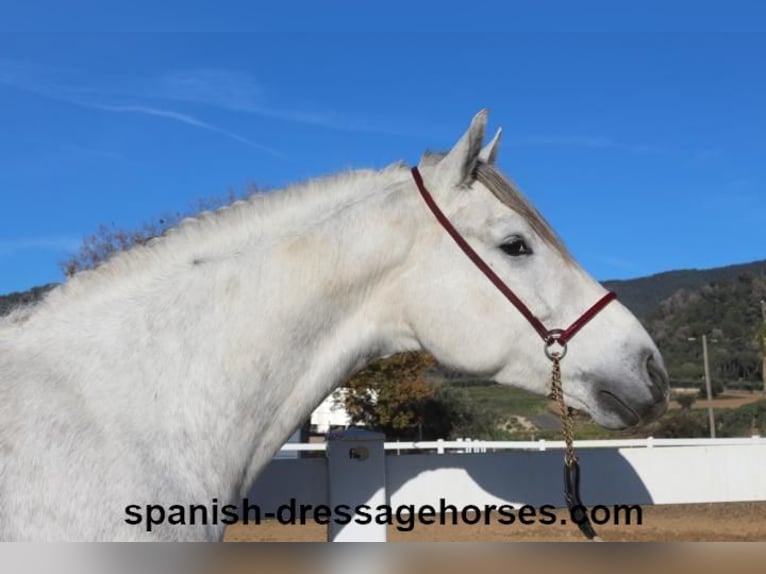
{"x":731,"y":522}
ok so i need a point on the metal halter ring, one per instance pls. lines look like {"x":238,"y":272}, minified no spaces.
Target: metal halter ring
{"x":553,"y":337}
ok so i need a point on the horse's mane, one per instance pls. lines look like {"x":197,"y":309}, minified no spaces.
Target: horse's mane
{"x":259,"y":209}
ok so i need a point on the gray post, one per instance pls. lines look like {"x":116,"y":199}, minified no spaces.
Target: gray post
{"x":710,"y":415}
{"x":356,"y":475}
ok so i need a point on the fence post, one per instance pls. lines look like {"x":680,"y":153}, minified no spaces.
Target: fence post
{"x":356,"y":475}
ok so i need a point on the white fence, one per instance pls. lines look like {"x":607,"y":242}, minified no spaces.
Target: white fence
{"x":644,"y":471}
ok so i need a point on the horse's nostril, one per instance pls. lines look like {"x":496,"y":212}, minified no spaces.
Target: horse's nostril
{"x":659,"y":379}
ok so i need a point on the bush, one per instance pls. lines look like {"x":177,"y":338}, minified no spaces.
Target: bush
{"x":716,"y":388}
{"x":682,"y":424}
{"x":743,"y":421}
{"x":686,"y":400}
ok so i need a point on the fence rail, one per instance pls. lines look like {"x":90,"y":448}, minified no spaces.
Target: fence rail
{"x":441,"y":446}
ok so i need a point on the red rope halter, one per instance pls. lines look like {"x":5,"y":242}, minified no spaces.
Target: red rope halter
{"x":550,"y":336}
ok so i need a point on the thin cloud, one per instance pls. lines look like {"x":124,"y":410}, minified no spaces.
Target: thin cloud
{"x":62,"y":85}
{"x":237,"y":91}
{"x":178,"y":117}
{"x":40,"y":81}
{"x":228,"y":90}
{"x":219,"y":88}
{"x":54,"y":243}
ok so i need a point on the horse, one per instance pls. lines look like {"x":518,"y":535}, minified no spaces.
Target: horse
{"x":171,"y":373}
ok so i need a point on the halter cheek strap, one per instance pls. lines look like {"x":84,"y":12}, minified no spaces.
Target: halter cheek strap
{"x":549,"y":336}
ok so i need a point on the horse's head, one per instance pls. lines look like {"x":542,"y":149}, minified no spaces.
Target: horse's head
{"x":612,"y":369}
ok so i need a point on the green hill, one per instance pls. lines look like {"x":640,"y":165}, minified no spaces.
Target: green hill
{"x":729,"y":313}
{"x":16,"y":299}
{"x":723,"y":303}
{"x":644,"y":294}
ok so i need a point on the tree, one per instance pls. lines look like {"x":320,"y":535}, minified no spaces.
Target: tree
{"x":108,"y":240}
{"x":395,"y":396}
{"x":390,"y":395}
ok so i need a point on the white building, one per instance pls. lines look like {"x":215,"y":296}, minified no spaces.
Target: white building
{"x":330,"y":413}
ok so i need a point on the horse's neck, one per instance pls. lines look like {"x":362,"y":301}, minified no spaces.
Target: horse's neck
{"x":214,"y":357}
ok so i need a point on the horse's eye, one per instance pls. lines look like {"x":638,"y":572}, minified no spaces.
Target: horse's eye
{"x":516,"y":247}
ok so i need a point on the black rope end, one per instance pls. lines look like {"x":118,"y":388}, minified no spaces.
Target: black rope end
{"x":577,"y":511}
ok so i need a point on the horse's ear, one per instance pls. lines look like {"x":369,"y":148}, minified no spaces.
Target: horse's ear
{"x":488,"y":153}
{"x":457,"y":166}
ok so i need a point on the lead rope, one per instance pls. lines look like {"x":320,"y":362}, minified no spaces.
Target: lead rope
{"x":577,"y":510}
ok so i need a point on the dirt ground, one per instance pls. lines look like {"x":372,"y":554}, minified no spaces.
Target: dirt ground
{"x":730,"y":400}
{"x":731,"y":522}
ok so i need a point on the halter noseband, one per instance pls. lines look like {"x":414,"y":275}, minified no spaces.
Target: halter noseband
{"x":549,"y":336}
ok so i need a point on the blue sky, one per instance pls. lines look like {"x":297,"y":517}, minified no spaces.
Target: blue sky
{"x":639,"y":133}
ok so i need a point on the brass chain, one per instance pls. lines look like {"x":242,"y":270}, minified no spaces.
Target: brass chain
{"x":570,"y":460}
{"x":567,"y":423}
